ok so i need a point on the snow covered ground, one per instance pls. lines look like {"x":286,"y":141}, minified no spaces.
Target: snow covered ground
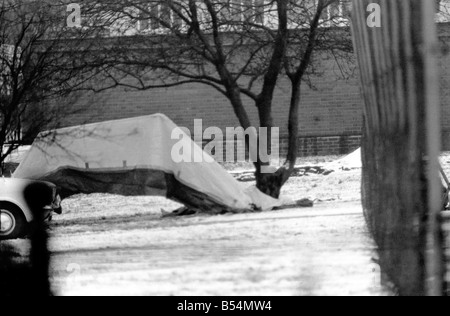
{"x":114,"y":245}
{"x":320,"y":251}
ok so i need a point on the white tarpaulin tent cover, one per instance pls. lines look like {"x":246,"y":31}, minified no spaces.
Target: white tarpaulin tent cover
{"x":130,"y":157}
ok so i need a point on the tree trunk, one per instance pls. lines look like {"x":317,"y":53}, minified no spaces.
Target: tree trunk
{"x":268,"y":183}
{"x":293,"y":126}
{"x":271,"y":184}
{"x":234,"y":95}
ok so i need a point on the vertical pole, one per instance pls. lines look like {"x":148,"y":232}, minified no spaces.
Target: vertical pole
{"x":434,"y":268}
{"x":401,"y":190}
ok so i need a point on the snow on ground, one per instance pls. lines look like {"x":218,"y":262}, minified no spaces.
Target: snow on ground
{"x":349,"y":162}
{"x":120,"y":245}
{"x":114,"y":245}
{"x":321,"y":251}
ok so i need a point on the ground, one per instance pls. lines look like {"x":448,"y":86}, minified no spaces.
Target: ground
{"x":320,"y":251}
{"x":105,"y":244}
{"x":115,"y":245}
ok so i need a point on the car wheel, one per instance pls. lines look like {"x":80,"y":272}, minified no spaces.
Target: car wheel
{"x":12,"y":222}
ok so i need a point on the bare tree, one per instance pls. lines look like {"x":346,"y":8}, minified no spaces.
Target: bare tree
{"x":39,"y":68}
{"x":443,"y":10}
{"x":239,"y":48}
{"x":41,"y":65}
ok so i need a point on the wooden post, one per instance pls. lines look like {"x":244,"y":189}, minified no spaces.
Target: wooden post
{"x":401,"y":140}
{"x":435,"y":274}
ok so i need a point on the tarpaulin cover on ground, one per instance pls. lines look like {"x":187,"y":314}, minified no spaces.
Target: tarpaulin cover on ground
{"x":132,"y":157}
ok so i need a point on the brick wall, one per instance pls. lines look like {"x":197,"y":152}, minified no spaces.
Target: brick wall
{"x":330,"y":115}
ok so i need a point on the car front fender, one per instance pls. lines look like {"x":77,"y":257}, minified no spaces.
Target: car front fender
{"x":22,"y":205}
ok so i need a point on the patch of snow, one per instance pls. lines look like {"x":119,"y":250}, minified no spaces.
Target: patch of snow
{"x":352,"y":161}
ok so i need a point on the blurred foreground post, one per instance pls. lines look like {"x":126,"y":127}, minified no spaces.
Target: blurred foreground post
{"x":401,"y":188}
{"x":22,"y":276}
{"x":25,"y":277}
